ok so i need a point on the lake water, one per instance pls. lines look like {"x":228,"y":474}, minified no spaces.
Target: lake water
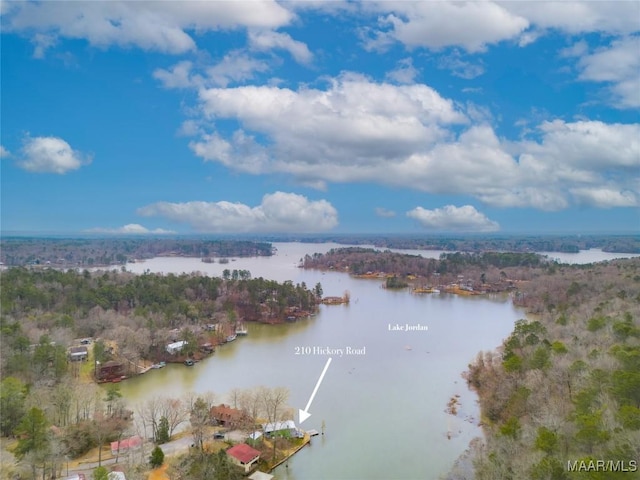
{"x":384,"y":411}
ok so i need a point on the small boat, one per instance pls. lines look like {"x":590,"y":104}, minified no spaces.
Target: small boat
{"x":189,"y":363}
{"x":231,"y":338}
{"x":241,"y":330}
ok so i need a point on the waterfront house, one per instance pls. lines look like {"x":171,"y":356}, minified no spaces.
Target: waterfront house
{"x":109,"y":371}
{"x":286,"y":428}
{"x":78,"y":354}
{"x":228,"y":417}
{"x":176,"y":347}
{"x":126,"y":445}
{"x":244,"y":456}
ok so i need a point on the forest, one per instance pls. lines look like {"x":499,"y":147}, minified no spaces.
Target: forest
{"x":100,"y":252}
{"x":564,"y":388}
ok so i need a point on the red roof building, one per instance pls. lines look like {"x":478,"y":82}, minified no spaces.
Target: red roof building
{"x":123,"y":446}
{"x":228,"y":417}
{"x":244,"y":456}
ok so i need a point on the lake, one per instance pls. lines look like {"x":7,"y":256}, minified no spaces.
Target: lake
{"x":384,"y":410}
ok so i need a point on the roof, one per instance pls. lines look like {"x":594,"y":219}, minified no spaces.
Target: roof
{"x":116,"y":476}
{"x":225,"y":412}
{"x":78,"y":350}
{"x":255,"y":435}
{"x":276,"y":427}
{"x":132,"y":442}
{"x":179,"y":344}
{"x":243,"y":452}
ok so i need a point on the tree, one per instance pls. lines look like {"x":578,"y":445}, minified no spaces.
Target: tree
{"x":199,"y":420}
{"x":12,"y":395}
{"x":34,"y":439}
{"x":157,"y":457}
{"x":162,"y":434}
{"x":100,"y":473}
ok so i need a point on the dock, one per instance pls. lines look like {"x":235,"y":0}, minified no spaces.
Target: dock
{"x":313,"y":432}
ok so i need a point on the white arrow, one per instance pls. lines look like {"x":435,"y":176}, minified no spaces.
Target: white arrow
{"x":304,"y":414}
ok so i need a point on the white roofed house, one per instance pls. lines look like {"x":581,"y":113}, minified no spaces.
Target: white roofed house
{"x":176,"y":347}
{"x":286,"y":428}
{"x":78,"y":354}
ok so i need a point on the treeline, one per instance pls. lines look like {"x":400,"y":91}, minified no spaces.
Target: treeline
{"x":88,"y":252}
{"x":563,"y":391}
{"x":483,"y":243}
{"x":360,"y":261}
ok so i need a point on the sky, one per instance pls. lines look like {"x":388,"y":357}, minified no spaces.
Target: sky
{"x":299,"y":117}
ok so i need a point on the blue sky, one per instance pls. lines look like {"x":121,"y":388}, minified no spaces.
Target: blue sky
{"x":320,"y":117}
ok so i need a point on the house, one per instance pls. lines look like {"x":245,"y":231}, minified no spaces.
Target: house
{"x":116,"y":476}
{"x":109,"y":370}
{"x":244,"y":456}
{"x":287,"y":428}
{"x":228,"y":417}
{"x":176,"y":347}
{"x":126,"y":445}
{"x":78,"y":354}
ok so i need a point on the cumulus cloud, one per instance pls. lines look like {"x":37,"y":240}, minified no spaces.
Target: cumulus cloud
{"x":266,"y":40}
{"x":279,"y":212}
{"x":403,"y":136}
{"x":352,"y":123}
{"x":617,"y":65}
{"x":473,"y":26}
{"x":130,"y":229}
{"x":453,"y":219}
{"x":4,"y":153}
{"x":50,"y":155}
{"x":435,"y":25}
{"x":573,"y":17}
{"x":159,"y":26}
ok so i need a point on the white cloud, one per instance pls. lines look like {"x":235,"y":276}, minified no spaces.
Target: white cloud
{"x":605,"y":197}
{"x":435,"y":25}
{"x":403,"y":136}
{"x":619,"y":66}
{"x":473,"y":26}
{"x":236,"y":66}
{"x":266,"y":40}
{"x":350,"y":123}
{"x":130,"y":229}
{"x":404,"y":73}
{"x":178,"y":76}
{"x":4,"y":153}
{"x":385,"y":213}
{"x":279,"y":212}
{"x":50,"y":155}
{"x":573,"y":17}
{"x":160,"y":26}
{"x":453,"y":219}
